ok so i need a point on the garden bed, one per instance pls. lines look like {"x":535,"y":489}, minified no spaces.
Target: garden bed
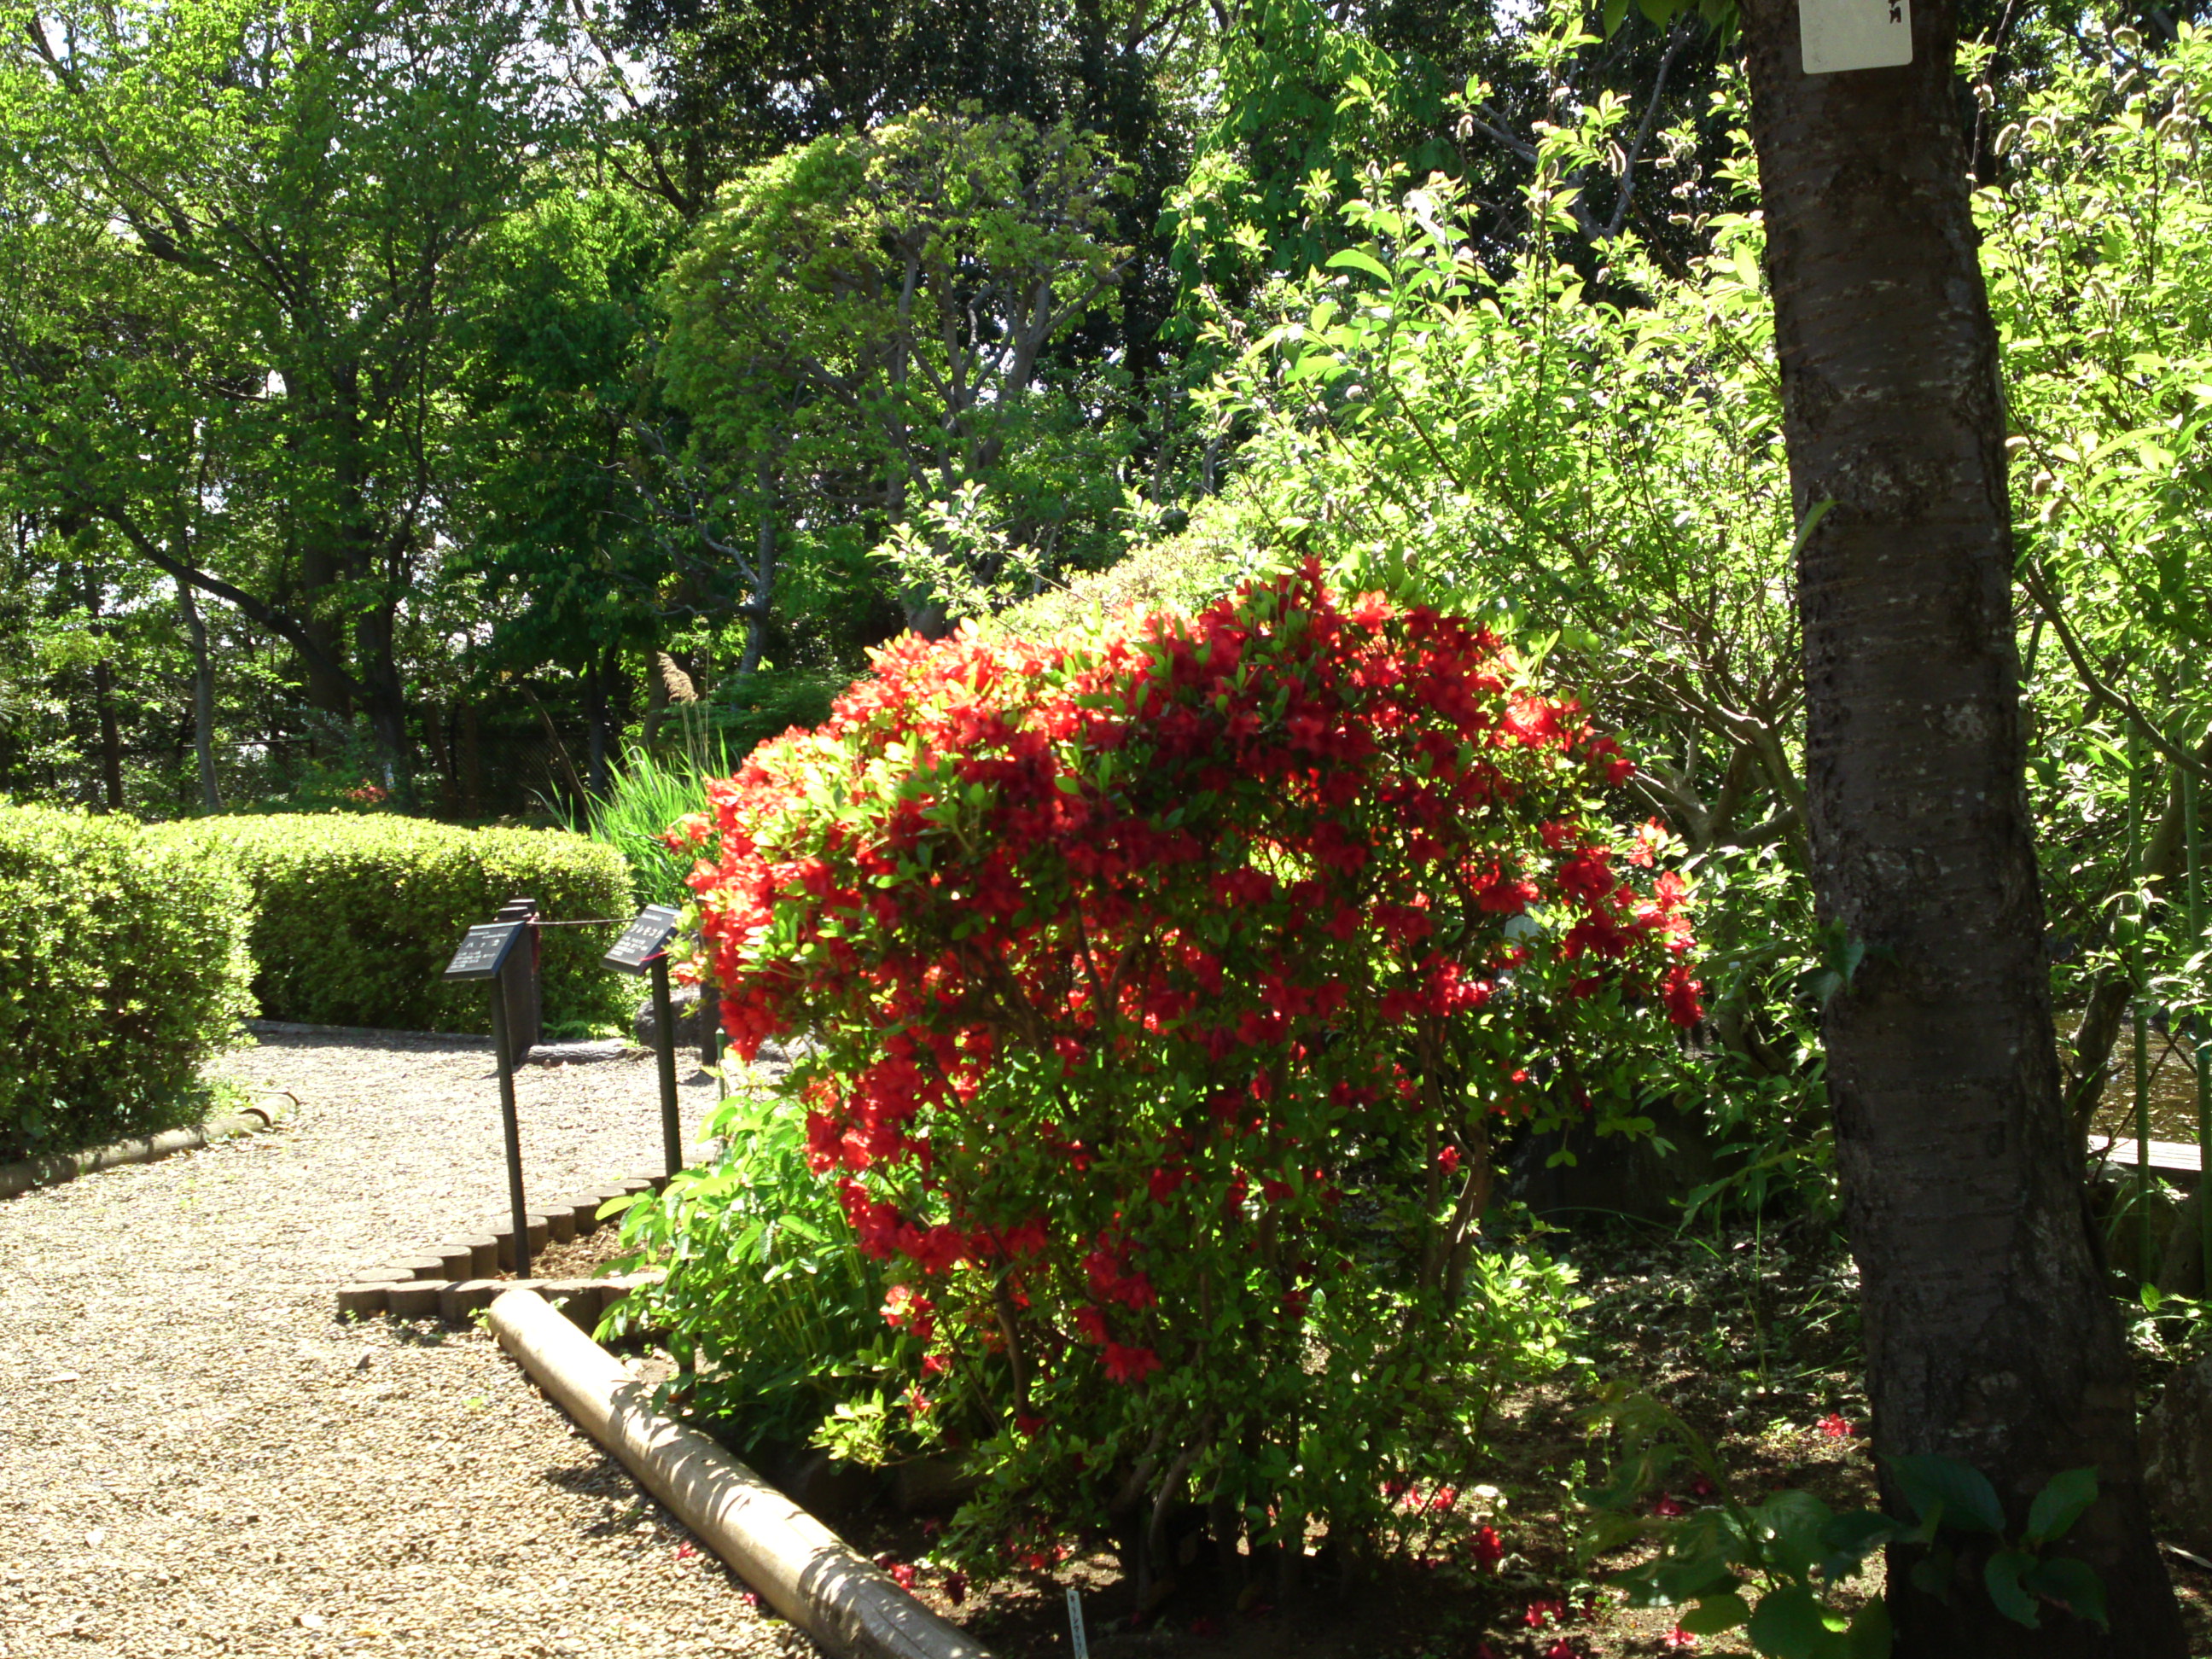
{"x":1751,"y":1338}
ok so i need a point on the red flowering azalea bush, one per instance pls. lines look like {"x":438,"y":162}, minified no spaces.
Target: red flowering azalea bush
{"x":1164,"y":992}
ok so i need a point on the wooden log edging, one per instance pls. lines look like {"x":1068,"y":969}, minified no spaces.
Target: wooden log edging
{"x":454,"y":1279}
{"x":848,"y":1604}
{"x":20,"y":1177}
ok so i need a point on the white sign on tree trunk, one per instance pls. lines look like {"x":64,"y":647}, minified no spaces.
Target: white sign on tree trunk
{"x":1854,"y":34}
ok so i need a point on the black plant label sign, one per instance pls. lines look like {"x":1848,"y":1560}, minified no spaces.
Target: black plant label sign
{"x":484,"y":950}
{"x":646,"y":937}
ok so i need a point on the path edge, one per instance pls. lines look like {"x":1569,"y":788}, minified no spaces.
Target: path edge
{"x":22,"y":1177}
{"x":848,"y":1604}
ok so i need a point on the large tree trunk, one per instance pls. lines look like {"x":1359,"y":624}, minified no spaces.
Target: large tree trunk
{"x":377,"y":667}
{"x":326,"y":687}
{"x":1989,"y":1335}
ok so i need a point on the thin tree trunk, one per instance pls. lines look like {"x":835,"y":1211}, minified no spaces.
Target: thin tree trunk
{"x":472,"y":783}
{"x":1989,"y":1335}
{"x":595,"y":715}
{"x":103,"y":702}
{"x":2089,"y":1062}
{"x":437,"y":745}
{"x":656,"y":697}
{"x":755,"y":608}
{"x":203,"y":698}
{"x":111,"y":739}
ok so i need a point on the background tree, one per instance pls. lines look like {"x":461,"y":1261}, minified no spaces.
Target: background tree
{"x":557,"y":378}
{"x":308,"y":231}
{"x":862,"y":328}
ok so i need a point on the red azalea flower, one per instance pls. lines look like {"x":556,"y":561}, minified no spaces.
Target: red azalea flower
{"x":956,"y":1587}
{"x":1835,"y":1427}
{"x":1449,"y":1159}
{"x":1130,"y":1365}
{"x":1669,"y":1505}
{"x":1563,"y":1648}
{"x":1678,"y":1640}
{"x":1542,"y":1615}
{"x":1684,"y":1005}
{"x":1488,"y":1548}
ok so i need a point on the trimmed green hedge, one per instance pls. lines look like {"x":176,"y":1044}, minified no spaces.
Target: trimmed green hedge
{"x":356,"y":915}
{"x":123,"y":966}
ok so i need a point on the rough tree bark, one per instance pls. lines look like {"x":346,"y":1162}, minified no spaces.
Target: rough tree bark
{"x":1989,"y":1335}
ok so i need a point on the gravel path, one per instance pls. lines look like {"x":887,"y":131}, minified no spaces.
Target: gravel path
{"x":196,"y":1458}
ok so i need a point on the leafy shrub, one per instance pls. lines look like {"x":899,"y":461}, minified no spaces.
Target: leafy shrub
{"x":764,"y":1292}
{"x":1167,"y":990}
{"x":766,"y":705}
{"x":123,"y":966}
{"x":356,"y":914}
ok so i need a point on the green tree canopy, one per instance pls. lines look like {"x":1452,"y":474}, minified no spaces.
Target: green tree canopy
{"x":861,"y":330}
{"x":247,"y":229}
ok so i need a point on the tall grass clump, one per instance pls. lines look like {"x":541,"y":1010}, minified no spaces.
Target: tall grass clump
{"x":650,"y":790}
{"x":648,"y":794}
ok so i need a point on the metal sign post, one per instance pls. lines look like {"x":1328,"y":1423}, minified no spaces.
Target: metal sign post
{"x":484,"y":955}
{"x":643,"y":948}
{"x":525,"y":992}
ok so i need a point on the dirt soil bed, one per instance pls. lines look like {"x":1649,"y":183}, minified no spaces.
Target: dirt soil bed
{"x":197,"y":1458}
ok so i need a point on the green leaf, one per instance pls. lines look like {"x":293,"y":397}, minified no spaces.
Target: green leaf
{"x":2072,"y":1584}
{"x":1790,"y":1623}
{"x":1688,"y":1577}
{"x":2002,"y":1574}
{"x":1796,"y":1522}
{"x":1849,"y":1538}
{"x":1869,"y":1636}
{"x":1931,"y":1574}
{"x":1969,"y":1502}
{"x":1716,"y":1613}
{"x":1359,"y":260}
{"x":2060,"y":1504}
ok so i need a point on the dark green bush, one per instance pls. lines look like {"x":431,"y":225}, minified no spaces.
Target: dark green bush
{"x":357,"y":913}
{"x":123,"y":966}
